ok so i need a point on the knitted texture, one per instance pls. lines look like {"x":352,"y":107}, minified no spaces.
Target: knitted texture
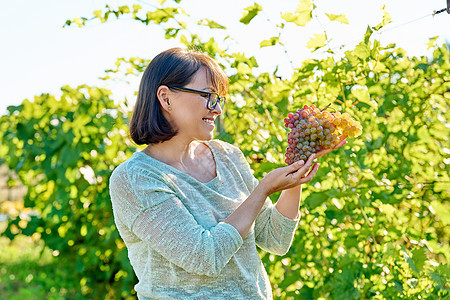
{"x":173,"y":228}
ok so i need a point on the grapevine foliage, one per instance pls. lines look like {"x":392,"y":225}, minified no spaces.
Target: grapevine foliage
{"x":63,"y":150}
{"x":374,"y":220}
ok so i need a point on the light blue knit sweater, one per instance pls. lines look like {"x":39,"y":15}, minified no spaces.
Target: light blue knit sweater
{"x":172,"y":225}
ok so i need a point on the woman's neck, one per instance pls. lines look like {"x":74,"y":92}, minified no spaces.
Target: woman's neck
{"x":174,"y":152}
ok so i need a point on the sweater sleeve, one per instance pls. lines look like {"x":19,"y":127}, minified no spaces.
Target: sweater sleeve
{"x":153,"y":212}
{"x":273,"y":231}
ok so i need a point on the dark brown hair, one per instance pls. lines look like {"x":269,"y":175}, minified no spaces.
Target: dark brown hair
{"x":173,"y":67}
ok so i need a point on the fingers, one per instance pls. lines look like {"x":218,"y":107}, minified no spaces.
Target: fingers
{"x":311,"y":174}
{"x":324,"y":152}
{"x":295,"y":166}
{"x":342,"y":142}
{"x":305,"y":167}
{"x":309,"y":162}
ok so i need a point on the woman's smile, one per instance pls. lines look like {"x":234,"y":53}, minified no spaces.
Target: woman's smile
{"x":209,"y":121}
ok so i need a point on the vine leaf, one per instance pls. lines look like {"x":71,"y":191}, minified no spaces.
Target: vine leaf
{"x":252,"y":11}
{"x":419,"y":257}
{"x":432,"y":42}
{"x":316,"y":42}
{"x":338,"y":18}
{"x":271,"y":42}
{"x":302,"y":14}
{"x":386,"y":19}
{"x":210,"y":23}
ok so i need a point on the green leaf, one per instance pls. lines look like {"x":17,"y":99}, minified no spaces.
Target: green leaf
{"x":362,"y":51}
{"x":386,"y":19}
{"x":289,"y":17}
{"x":273,"y":41}
{"x":243,"y":68}
{"x":368,"y":34}
{"x":316,"y":42}
{"x":210,"y":24}
{"x":363,"y":96}
{"x":12,"y":109}
{"x":124,"y":9}
{"x":315,"y":199}
{"x":437,"y":278}
{"x":171,"y":33}
{"x":410,"y":262}
{"x":136,"y":8}
{"x":184,"y":40}
{"x":162,"y":15}
{"x":338,"y":18}
{"x":379,"y":67}
{"x":250,"y":13}
{"x":441,"y":274}
{"x":305,"y":6}
{"x":302,"y":14}
{"x":98,"y":14}
{"x":79,"y":21}
{"x":419,"y":258}
{"x":432,"y":42}
{"x":441,"y":209}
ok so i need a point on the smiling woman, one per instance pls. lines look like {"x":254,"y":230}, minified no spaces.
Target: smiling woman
{"x":188,"y":207}
{"x":169,"y":72}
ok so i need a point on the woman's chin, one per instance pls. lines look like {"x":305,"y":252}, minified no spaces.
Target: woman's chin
{"x":207,"y":136}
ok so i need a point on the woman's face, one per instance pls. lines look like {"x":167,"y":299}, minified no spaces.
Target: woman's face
{"x":189,"y":113}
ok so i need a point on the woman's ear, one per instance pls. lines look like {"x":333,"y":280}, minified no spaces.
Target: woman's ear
{"x":163,"y":94}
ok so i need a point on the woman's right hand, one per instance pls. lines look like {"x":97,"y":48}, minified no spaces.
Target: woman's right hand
{"x":289,"y":177}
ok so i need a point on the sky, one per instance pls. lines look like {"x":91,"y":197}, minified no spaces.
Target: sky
{"x":38,"y":55}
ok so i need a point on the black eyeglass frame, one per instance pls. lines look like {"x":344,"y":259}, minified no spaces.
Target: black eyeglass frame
{"x":204,"y":93}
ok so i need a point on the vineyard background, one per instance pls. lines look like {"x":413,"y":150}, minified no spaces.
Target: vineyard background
{"x":374,"y":220}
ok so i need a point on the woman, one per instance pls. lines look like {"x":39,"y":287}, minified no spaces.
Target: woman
{"x":188,"y":207}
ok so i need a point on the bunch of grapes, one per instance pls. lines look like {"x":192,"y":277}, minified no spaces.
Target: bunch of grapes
{"x":313,"y":130}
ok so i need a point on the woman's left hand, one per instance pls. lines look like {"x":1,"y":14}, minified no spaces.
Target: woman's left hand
{"x":326,"y":151}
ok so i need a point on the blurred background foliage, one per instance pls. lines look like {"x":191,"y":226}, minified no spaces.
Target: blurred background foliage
{"x":374,"y":219}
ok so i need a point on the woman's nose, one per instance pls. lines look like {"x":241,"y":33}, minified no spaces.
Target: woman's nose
{"x":217,"y":109}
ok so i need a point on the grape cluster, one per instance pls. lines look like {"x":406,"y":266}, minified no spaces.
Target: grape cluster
{"x":313,"y":130}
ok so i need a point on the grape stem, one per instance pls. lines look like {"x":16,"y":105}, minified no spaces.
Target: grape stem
{"x":327,"y":107}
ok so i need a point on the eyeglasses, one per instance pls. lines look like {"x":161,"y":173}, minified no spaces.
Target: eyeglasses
{"x":212,"y":98}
